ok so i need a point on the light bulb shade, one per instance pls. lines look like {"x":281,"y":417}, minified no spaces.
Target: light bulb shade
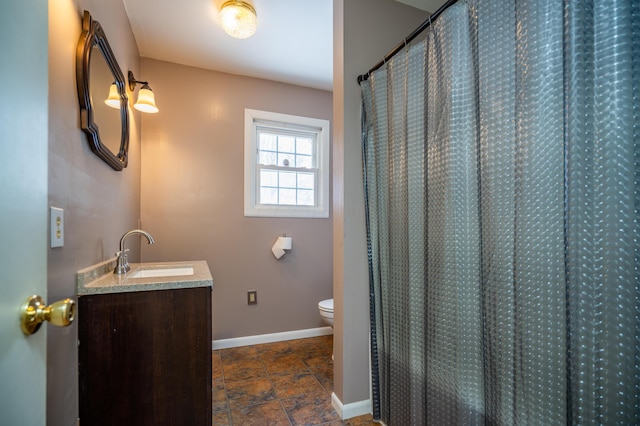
{"x":238,"y":19}
{"x":114,"y":97}
{"x":146,"y":100}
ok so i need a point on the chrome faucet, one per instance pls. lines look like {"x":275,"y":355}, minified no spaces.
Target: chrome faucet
{"x":122,"y":266}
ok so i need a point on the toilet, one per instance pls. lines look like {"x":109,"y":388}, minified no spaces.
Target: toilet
{"x":326,"y":311}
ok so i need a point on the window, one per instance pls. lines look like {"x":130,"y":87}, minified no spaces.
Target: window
{"x":286,"y":165}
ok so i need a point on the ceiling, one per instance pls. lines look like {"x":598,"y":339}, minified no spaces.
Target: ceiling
{"x":293,"y":42}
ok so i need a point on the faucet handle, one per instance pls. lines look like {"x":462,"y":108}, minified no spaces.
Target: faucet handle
{"x":121,"y":253}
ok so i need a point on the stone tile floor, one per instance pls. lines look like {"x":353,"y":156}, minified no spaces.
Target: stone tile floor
{"x":281,"y":384}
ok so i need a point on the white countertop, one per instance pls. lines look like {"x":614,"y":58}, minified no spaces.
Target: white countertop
{"x":100,"y":279}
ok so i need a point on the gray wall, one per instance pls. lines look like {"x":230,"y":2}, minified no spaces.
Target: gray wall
{"x":364,"y":31}
{"x":192,"y":199}
{"x":99,"y":203}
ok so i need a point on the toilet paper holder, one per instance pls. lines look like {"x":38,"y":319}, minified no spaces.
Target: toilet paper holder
{"x":282,"y":243}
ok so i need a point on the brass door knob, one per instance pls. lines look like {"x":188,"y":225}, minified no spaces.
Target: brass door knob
{"x":34,"y":312}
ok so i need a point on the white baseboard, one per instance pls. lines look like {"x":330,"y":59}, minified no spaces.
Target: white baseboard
{"x":352,"y":409}
{"x":270,"y":338}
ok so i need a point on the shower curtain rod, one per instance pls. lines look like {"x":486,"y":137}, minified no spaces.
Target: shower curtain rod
{"x":407,"y":39}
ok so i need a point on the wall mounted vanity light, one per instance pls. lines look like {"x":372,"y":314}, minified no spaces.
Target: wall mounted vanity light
{"x":238,"y":19}
{"x":146,"y":100}
{"x":113,"y":100}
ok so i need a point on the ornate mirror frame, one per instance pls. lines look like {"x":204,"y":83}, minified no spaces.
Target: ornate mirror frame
{"x":93,"y":36}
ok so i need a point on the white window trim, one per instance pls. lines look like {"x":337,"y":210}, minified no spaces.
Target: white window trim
{"x":251,"y":208}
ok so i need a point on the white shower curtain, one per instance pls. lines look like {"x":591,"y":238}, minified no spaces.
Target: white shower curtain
{"x":502,"y":176}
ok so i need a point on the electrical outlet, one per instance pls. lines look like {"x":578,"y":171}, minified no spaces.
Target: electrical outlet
{"x":252,"y":297}
{"x":57,"y":227}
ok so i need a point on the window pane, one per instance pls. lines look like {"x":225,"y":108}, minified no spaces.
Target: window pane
{"x":285,"y":168}
{"x":268,"y":196}
{"x":286,"y":144}
{"x":304,"y":146}
{"x":286,"y":160}
{"x":287,"y":180}
{"x":268,"y":158}
{"x":305,"y":180}
{"x":288,"y":197}
{"x":305,"y":197}
{"x":268,"y":178}
{"x":305,"y":161}
{"x":268,"y":142}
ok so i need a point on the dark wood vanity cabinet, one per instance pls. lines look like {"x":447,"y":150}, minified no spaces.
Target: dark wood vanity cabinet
{"x":145,"y":357}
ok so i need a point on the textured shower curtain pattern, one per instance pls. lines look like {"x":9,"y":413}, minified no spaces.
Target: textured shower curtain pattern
{"x":502,"y":180}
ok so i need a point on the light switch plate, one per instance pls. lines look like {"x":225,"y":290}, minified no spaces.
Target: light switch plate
{"x":57,"y":227}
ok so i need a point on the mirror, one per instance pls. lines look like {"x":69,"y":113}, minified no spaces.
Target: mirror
{"x":107,"y":128}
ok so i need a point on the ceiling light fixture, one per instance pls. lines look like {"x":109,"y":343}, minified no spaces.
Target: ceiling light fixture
{"x":146,"y":100}
{"x":238,"y":19}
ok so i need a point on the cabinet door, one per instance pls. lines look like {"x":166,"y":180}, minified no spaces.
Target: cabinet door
{"x":145,"y":358}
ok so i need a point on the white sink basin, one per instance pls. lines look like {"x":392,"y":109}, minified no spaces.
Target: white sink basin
{"x":174,"y":271}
